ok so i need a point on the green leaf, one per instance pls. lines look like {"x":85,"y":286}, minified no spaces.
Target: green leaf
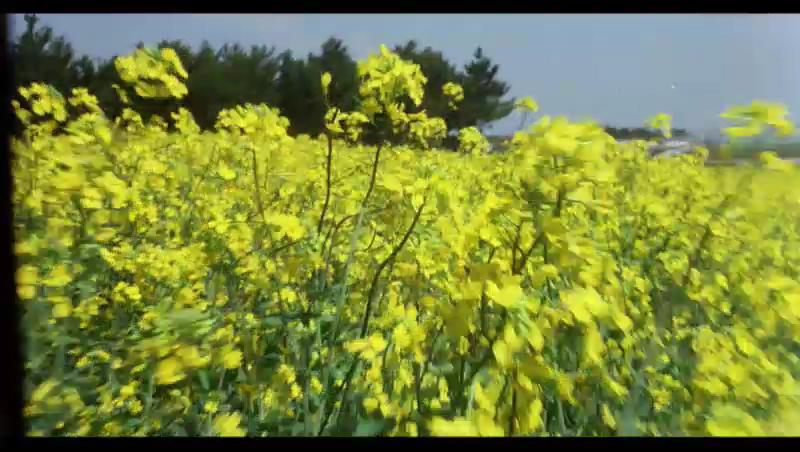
{"x":185,"y":317}
{"x":626,"y":425}
{"x":89,"y":250}
{"x":86,"y":289}
{"x":327,"y":318}
{"x":178,"y":430}
{"x":133,"y":423}
{"x":442,"y":369}
{"x":298,"y":429}
{"x":66,"y":340}
{"x":370,"y":427}
{"x":203,"y":374}
{"x":272,"y":322}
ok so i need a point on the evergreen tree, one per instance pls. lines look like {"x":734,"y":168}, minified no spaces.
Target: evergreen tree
{"x":483,"y":93}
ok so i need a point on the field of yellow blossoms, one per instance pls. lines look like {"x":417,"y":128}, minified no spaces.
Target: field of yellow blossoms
{"x":240,"y":281}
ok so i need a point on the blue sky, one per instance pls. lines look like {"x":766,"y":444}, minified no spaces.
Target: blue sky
{"x":614,"y":68}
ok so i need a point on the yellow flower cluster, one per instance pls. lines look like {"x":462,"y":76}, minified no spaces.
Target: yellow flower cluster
{"x":471,"y":141}
{"x":754,"y":118}
{"x":454,"y":93}
{"x":153,"y":74}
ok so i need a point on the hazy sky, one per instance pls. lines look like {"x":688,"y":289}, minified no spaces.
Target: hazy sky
{"x":615,"y":68}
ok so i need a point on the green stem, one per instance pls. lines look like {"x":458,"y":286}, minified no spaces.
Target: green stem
{"x":327,"y":183}
{"x":306,"y":395}
{"x":374,"y":287}
{"x":348,"y":262}
{"x":513,"y":414}
{"x":257,"y":191}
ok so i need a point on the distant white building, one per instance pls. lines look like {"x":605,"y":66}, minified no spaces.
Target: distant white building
{"x":671,"y":148}
{"x":667,"y":148}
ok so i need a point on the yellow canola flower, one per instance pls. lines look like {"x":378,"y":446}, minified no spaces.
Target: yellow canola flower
{"x":59,"y":276}
{"x":608,"y":417}
{"x":566,"y":387}
{"x":227,"y":425}
{"x":508,"y":296}
{"x":191,"y":357}
{"x":535,"y":337}
{"x":226,"y":172}
{"x":593,"y":347}
{"x":367,"y":348}
{"x":288,"y":225}
{"x":62,"y":310}
{"x":454,"y":93}
{"x":662,"y":122}
{"x":325,"y":81}
{"x":487,"y":426}
{"x":461,"y":427}
{"x":503,"y":354}
{"x":727,"y":420}
{"x":210,"y":407}
{"x":43,"y":390}
{"x":527,"y":103}
{"x":232,"y":359}
{"x":27,"y":275}
{"x":169,"y":371}
{"x":584,"y":304}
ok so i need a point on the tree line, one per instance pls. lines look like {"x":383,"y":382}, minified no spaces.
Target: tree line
{"x":232,"y":75}
{"x":641,"y":133}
